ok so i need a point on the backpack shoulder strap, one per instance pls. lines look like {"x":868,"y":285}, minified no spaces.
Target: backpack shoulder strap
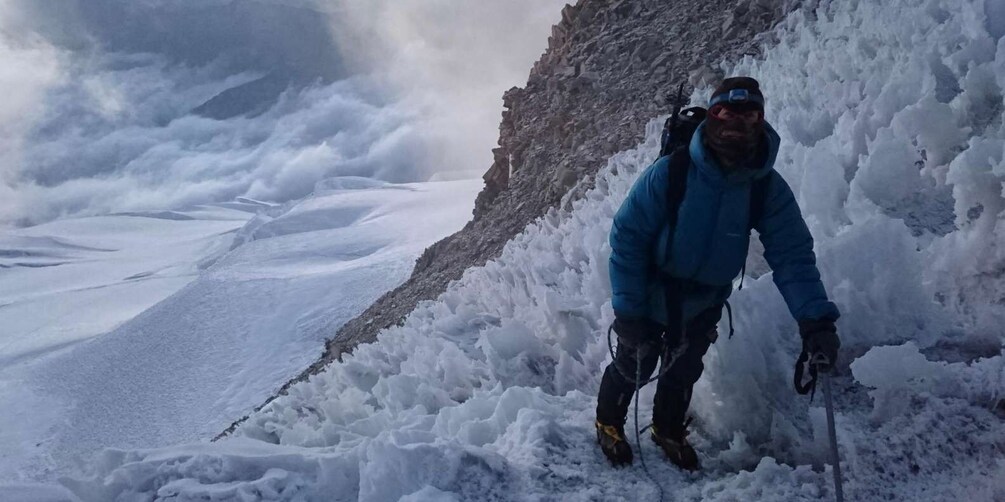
{"x":680,"y":163}
{"x":758,"y":198}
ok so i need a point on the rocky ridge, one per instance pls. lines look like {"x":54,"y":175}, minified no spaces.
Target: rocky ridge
{"x":609,"y":68}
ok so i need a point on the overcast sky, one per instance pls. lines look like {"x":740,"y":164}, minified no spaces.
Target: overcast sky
{"x":116,"y":105}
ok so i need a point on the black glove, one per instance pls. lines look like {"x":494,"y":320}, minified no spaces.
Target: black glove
{"x":820,"y":337}
{"x":643,"y":334}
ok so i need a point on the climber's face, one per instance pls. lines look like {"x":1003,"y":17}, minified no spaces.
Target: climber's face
{"x":734,"y":131}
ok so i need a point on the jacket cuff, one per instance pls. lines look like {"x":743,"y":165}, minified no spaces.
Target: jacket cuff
{"x":825,"y":311}
{"x":810,"y":327}
{"x":624,"y":316}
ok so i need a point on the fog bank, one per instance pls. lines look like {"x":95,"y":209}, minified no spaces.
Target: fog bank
{"x":116,"y":105}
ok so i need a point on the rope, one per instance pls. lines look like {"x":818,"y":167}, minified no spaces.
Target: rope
{"x":682,"y":346}
{"x":626,"y":374}
{"x":638,"y":433}
{"x":729,"y":312}
{"x":639,"y":384}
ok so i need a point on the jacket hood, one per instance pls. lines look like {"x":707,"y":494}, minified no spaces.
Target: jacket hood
{"x":708,"y":166}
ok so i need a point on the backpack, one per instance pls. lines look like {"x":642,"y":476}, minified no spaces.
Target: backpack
{"x":678,"y":129}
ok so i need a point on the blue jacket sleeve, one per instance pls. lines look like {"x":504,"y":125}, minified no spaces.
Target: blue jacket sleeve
{"x":637,"y":225}
{"x":788,"y":249}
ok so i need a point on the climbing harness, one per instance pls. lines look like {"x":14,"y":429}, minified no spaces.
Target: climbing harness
{"x":638,"y":433}
{"x":627,"y":373}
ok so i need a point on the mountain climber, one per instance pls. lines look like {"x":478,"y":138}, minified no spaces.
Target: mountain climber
{"x":671,"y":279}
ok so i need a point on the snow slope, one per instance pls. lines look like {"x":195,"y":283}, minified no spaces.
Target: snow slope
{"x":891,"y":116}
{"x":66,"y":282}
{"x":184,"y":368}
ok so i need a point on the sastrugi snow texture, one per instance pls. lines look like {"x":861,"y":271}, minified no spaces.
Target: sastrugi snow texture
{"x":893,"y":141}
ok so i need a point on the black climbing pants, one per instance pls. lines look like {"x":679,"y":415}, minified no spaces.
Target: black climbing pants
{"x":673,"y":389}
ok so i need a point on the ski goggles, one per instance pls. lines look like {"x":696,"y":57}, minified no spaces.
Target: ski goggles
{"x":730,"y":113}
{"x":738,"y":97}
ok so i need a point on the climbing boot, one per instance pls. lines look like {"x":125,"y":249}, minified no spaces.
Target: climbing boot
{"x":674,"y":444}
{"x":612,"y":442}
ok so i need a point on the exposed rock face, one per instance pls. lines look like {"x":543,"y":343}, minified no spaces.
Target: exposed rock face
{"x":608,"y":69}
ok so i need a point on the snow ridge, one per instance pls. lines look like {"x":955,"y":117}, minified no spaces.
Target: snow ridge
{"x":487,"y":393}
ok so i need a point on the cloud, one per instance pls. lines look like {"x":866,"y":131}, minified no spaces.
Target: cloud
{"x":106,"y":122}
{"x":450,"y":62}
{"x":28,"y":67}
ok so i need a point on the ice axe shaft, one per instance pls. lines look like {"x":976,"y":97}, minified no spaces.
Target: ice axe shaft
{"x":825,"y":375}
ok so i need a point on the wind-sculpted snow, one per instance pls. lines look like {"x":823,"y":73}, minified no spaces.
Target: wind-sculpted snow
{"x":886,"y":110}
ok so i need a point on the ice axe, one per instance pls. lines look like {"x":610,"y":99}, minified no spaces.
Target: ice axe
{"x":820,"y":366}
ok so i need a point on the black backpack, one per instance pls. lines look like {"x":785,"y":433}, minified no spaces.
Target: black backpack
{"x":679,"y":127}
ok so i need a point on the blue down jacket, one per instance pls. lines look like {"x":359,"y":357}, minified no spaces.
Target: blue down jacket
{"x":709,"y":246}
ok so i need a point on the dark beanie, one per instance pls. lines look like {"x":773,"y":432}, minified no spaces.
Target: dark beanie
{"x":743,"y":91}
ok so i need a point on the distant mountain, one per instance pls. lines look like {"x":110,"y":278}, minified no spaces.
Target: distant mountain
{"x":251,"y":99}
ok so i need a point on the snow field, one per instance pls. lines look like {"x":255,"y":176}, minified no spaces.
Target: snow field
{"x":893,"y":141}
{"x":66,"y":282}
{"x":268,"y":292}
